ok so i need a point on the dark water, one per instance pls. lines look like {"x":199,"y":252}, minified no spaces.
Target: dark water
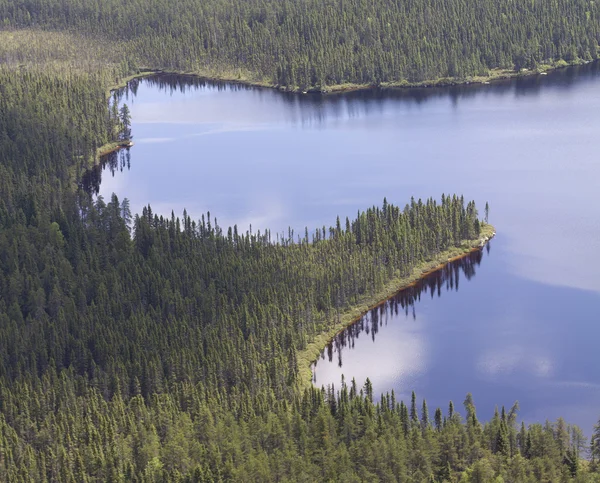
{"x":521,"y":323}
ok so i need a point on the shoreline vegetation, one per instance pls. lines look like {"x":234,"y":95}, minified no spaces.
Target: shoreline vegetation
{"x":494,"y":76}
{"x":308,"y":356}
{"x":112,"y":147}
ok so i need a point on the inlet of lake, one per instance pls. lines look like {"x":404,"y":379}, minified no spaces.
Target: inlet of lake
{"x":520,"y":321}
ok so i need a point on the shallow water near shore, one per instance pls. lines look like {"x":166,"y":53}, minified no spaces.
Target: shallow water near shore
{"x":521,"y":326}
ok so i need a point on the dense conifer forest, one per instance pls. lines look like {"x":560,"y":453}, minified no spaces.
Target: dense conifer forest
{"x":135,"y":347}
{"x":306,"y":43}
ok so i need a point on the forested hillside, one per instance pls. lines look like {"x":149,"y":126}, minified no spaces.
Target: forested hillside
{"x":139,"y":348}
{"x":306,"y":43}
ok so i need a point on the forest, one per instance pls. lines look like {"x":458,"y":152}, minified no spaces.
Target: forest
{"x":313,"y":44}
{"x":135,"y":347}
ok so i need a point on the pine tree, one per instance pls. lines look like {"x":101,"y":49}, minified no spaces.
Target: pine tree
{"x":414,"y":415}
{"x":595,"y":444}
{"x":125,"y":118}
{"x":438,"y":419}
{"x":424,"y":416}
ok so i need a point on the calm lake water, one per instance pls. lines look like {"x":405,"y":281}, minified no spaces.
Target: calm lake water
{"x":521,"y":322}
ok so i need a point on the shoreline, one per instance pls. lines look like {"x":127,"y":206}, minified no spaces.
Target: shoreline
{"x":308,"y":356}
{"x":494,"y":76}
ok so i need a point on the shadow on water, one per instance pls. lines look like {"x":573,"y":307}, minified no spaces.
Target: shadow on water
{"x":405,"y":301}
{"x":117,"y":161}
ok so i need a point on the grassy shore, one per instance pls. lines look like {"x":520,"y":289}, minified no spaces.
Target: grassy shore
{"x":112,"y":147}
{"x":313,"y":350}
{"x":123,"y":82}
{"x":493,"y":75}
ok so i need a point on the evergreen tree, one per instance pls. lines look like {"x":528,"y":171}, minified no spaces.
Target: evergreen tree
{"x":125,"y":118}
{"x":414,"y":415}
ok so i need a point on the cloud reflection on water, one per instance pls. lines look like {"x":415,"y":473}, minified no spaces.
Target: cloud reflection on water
{"x":406,"y":351}
{"x":506,"y":360}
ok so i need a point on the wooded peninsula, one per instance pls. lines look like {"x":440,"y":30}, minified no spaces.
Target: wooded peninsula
{"x":138,"y":347}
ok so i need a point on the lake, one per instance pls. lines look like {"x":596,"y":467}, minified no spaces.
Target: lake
{"x":520,"y":322}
